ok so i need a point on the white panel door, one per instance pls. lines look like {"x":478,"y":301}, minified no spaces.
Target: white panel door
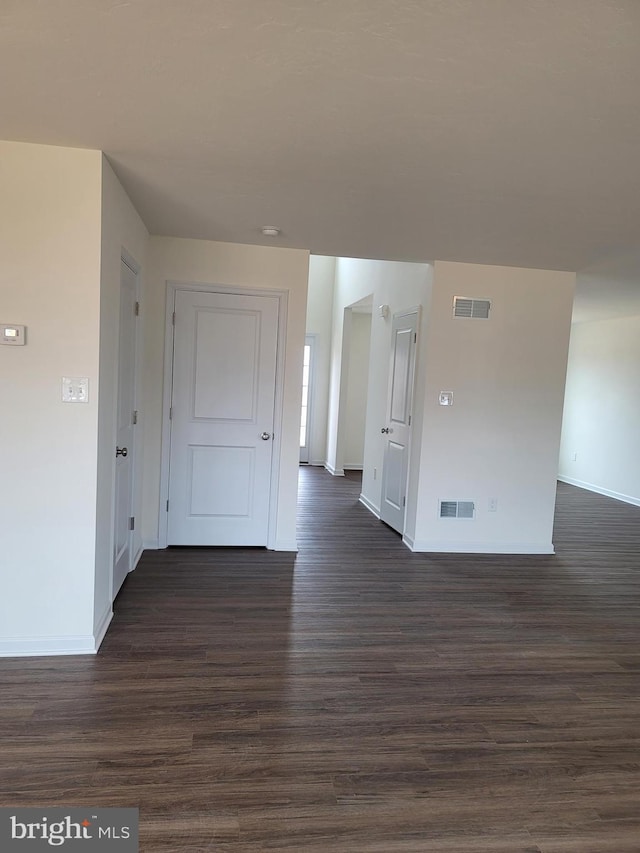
{"x":222,"y":413}
{"x":125,"y":426}
{"x":397,"y":431}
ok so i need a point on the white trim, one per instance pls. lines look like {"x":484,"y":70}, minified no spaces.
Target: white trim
{"x":20,"y":647}
{"x":409,"y":541}
{"x":285,"y":545}
{"x":453,"y":547}
{"x":348,"y":467}
{"x":335,"y":472}
{"x":317,"y":463}
{"x":102,"y":627}
{"x":136,"y":559}
{"x":128,"y":260}
{"x":368,"y":505}
{"x":150,"y":545}
{"x":172,"y":287}
{"x":278,"y":410}
{"x":165,"y":441}
{"x":590,"y":487}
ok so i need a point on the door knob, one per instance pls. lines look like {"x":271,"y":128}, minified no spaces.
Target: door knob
{"x":265,"y":436}
{"x":385,"y":430}
{"x":121,"y":451}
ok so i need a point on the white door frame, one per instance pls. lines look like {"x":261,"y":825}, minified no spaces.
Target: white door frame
{"x":134,"y":553}
{"x":282,"y":296}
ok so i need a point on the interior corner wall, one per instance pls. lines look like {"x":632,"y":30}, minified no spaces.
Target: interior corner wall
{"x":599,"y":449}
{"x":322,"y":271}
{"x":122,"y":229}
{"x":50,"y":220}
{"x":501,"y":437}
{"x":400,"y":286}
{"x":188,"y":261}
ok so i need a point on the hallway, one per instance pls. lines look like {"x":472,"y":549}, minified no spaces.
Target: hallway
{"x":355,"y":696}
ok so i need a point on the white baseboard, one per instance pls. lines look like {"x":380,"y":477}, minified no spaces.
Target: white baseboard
{"x":409,"y":542}
{"x":335,"y":472}
{"x":348,"y":467}
{"x":371,"y":507}
{"x":150,"y":545}
{"x":136,"y":559}
{"x":20,"y":647}
{"x":453,"y":547}
{"x":102,"y":626}
{"x":318,"y":463}
{"x":285,"y":545}
{"x":590,"y":487}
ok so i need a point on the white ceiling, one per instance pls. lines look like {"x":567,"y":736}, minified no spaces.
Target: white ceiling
{"x":490,"y":131}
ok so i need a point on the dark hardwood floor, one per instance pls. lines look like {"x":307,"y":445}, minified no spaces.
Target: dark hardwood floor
{"x":355,"y":697}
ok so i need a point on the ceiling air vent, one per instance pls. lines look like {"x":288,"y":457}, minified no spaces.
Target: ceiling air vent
{"x":456,"y":509}
{"x":472,"y":309}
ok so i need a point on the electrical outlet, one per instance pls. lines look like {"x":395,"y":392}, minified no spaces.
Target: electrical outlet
{"x":493,"y":504}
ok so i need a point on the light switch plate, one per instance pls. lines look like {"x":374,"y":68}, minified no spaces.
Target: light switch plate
{"x":75,"y":390}
{"x":12,"y":335}
{"x":446,"y":398}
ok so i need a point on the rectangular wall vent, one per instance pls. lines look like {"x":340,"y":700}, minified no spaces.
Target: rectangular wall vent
{"x":473,"y":309}
{"x":457,"y":509}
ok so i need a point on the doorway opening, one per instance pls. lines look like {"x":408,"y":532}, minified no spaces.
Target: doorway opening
{"x":307,"y":397}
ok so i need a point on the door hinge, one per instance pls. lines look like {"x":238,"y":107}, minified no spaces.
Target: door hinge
{"x":409,"y":420}
{"x":173,"y":319}
{"x":415,"y":337}
{"x":170,"y":413}
{"x":404,"y":501}
{"x":137,"y":309}
{"x":134,"y":418}
{"x":167,"y":506}
{"x":132,"y":523}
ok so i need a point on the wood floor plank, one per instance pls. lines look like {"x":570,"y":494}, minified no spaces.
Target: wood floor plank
{"x":354,"y":697}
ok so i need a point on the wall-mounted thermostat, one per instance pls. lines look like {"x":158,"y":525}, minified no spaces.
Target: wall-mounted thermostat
{"x":13,"y":336}
{"x":446,"y":398}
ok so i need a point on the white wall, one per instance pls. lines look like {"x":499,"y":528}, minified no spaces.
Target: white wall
{"x":401,"y":286}
{"x":181,"y":260}
{"x":357,"y":388}
{"x":122,"y":228}
{"x":602,"y":409}
{"x":63,"y":222}
{"x":322,"y":272}
{"x":50,"y":214}
{"x":501,"y":437}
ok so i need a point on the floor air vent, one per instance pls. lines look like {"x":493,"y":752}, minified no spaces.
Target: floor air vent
{"x":473,"y":309}
{"x":456,"y":509}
